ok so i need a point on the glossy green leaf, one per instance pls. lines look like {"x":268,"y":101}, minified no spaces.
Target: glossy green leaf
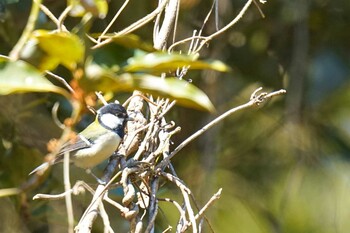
{"x":185,"y":93}
{"x":60,"y":47}
{"x":98,"y":8}
{"x":159,"y":62}
{"x":19,"y":77}
{"x":34,"y":55}
{"x":133,"y":41}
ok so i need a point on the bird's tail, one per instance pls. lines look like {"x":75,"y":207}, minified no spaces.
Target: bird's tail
{"x":43,"y":167}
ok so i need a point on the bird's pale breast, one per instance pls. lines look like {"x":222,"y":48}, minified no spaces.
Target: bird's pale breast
{"x":102,"y":149}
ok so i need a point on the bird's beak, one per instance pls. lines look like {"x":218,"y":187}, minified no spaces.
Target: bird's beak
{"x":130,"y":119}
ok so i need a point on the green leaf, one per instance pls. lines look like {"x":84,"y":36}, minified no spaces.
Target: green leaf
{"x":133,"y":41}
{"x":159,"y":62}
{"x":19,"y":77}
{"x":185,"y":93}
{"x":61,"y":47}
{"x":98,"y":8}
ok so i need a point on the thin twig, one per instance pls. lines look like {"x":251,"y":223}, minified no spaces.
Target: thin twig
{"x":112,"y":21}
{"x":34,"y":12}
{"x":213,"y":6}
{"x":135,"y":25}
{"x":49,"y":14}
{"x":55,"y":117}
{"x":78,"y":188}
{"x":121,"y":208}
{"x":215,"y":197}
{"x":206,"y":39}
{"x":253,"y":102}
{"x":189,"y":208}
{"x":171,"y":47}
{"x":222,"y":30}
{"x":68,"y":196}
{"x":62,"y":80}
{"x":259,"y":9}
{"x":63,"y":16}
{"x":169,"y":228}
{"x":177,"y":205}
{"x":101,"y":98}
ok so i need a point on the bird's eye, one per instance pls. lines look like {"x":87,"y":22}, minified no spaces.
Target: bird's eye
{"x":120,"y":115}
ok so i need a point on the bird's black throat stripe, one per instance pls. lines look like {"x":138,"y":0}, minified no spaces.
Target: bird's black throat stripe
{"x":118,"y":130}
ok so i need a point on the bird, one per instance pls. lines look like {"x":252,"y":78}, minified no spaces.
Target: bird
{"x":97,"y":141}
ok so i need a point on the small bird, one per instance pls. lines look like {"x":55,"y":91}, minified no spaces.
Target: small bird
{"x":97,"y":141}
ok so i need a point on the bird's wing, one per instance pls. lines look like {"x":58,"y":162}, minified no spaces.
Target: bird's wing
{"x":79,"y":143}
{"x":83,"y":140}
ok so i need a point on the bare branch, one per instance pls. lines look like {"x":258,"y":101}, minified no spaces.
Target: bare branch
{"x":90,"y":214}
{"x":135,"y":25}
{"x":62,"y":80}
{"x":68,"y":197}
{"x":215,"y":197}
{"x":222,"y":30}
{"x":169,"y":18}
{"x":78,"y":188}
{"x":62,"y":17}
{"x":34,"y":12}
{"x":205,"y":39}
{"x":112,"y":21}
{"x":257,"y":100}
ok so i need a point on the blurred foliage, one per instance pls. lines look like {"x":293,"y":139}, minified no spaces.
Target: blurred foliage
{"x":49,"y":49}
{"x":283,"y":168}
{"x":17,"y":77}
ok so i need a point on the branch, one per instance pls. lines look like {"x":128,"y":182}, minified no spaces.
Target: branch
{"x":169,"y":17}
{"x":68,"y":197}
{"x":135,"y":25}
{"x":222,"y":30}
{"x":62,"y":80}
{"x":255,"y":100}
{"x":78,"y":188}
{"x":215,"y":197}
{"x":206,"y":39}
{"x":34,"y":12}
{"x":90,"y":214}
{"x":112,"y":21}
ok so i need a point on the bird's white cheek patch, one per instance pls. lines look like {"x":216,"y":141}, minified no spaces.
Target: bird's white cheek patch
{"x":111,"y":120}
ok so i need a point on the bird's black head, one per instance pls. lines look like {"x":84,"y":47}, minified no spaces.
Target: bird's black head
{"x":115,"y":109}
{"x":114,"y":117}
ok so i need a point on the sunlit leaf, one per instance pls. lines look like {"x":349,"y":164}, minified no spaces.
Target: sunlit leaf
{"x":34,"y":55}
{"x":19,"y":77}
{"x":185,"y":93}
{"x":133,"y":41}
{"x":98,"y":8}
{"x":61,"y":47}
{"x":159,"y":62}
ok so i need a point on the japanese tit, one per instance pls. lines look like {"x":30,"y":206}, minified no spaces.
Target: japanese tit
{"x":97,"y":141}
